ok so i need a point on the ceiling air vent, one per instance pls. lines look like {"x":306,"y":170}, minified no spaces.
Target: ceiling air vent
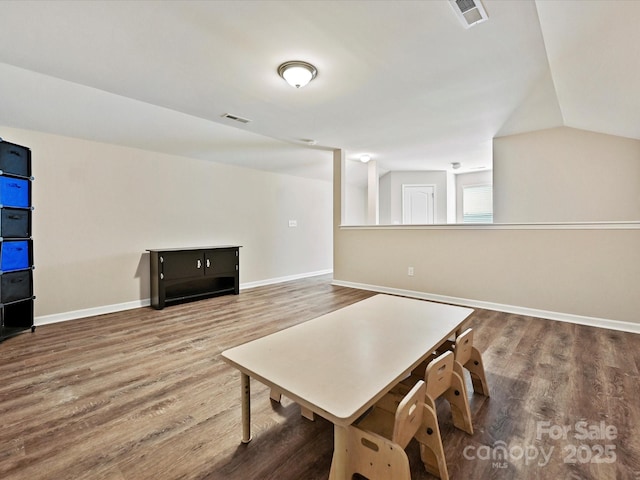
{"x":470,"y":12}
{"x":235,"y":118}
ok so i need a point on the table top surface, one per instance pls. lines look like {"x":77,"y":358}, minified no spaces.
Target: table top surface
{"x":341,"y":363}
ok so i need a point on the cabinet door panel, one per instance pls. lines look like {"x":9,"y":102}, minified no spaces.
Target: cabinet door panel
{"x":221,"y":261}
{"x":182,"y":264}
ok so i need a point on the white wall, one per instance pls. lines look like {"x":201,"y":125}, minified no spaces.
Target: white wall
{"x":384,"y":200}
{"x":566,"y":175}
{"x":356,"y":205}
{"x":98,"y":207}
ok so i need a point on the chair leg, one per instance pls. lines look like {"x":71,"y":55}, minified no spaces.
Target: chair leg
{"x":459,"y":369}
{"x":459,"y":402}
{"x":478,"y":377}
{"x":431,"y":450}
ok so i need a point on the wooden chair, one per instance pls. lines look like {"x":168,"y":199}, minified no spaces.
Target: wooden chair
{"x":443,"y":381}
{"x":431,"y":449}
{"x":468,"y":357}
{"x":375,"y":444}
{"x":396,"y":417}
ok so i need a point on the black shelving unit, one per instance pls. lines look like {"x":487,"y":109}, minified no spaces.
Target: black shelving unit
{"x":16,"y":244}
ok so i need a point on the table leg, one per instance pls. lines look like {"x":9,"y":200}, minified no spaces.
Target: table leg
{"x":307,"y":413}
{"x":275,"y":395}
{"x":246,"y":407}
{"x":339,"y":462}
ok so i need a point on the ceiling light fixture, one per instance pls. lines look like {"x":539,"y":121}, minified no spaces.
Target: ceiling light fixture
{"x":365,"y":158}
{"x":297,"y":73}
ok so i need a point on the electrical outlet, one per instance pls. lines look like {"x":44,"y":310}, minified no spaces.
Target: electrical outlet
{"x":410,"y":271}
{"x":293,"y":223}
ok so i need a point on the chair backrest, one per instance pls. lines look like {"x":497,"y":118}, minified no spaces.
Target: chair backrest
{"x":408,"y":416}
{"x":464,"y":346}
{"x":438,"y":375}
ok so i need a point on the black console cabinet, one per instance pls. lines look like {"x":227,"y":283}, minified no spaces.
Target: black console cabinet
{"x":184,"y":274}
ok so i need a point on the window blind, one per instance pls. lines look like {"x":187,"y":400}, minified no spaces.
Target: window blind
{"x":477,"y":204}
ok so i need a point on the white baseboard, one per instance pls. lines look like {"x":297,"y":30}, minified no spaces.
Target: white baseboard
{"x":531,"y":312}
{"x":272,"y":281}
{"x":562,"y":317}
{"x":91,"y":312}
{"x":119,"y":307}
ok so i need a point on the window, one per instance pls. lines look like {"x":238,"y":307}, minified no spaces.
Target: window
{"x":477,"y":204}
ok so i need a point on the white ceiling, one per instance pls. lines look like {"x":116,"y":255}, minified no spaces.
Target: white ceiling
{"x":400,"y":80}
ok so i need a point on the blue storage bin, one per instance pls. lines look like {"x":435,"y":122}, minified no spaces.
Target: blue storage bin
{"x":15,"y":255}
{"x":15,"y":192}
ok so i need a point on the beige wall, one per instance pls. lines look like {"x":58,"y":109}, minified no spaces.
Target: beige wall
{"x":566,"y":175}
{"x":587,"y":272}
{"x":98,"y":207}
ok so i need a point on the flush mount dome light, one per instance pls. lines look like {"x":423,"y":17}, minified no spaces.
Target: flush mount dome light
{"x":296,"y":73}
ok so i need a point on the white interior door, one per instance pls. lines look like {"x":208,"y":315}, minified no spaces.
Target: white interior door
{"x":418,"y":204}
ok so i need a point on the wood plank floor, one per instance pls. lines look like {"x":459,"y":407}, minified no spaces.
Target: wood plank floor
{"x":143,"y":394}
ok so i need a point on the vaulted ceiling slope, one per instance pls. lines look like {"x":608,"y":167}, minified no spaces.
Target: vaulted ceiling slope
{"x":400,"y":80}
